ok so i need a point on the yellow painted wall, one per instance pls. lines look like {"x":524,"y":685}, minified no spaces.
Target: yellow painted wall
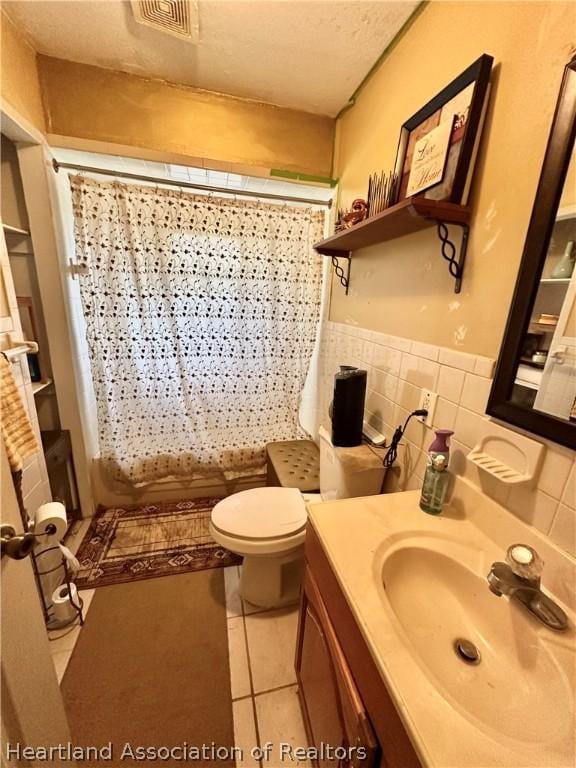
{"x":402,"y":287}
{"x":19,"y":84}
{"x":12,"y":204}
{"x":88,"y":102}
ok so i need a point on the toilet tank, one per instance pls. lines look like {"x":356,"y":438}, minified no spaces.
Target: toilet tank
{"x":348,"y":472}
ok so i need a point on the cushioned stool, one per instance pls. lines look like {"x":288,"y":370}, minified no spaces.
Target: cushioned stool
{"x":293,"y":464}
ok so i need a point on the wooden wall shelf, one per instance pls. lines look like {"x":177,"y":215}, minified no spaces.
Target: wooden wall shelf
{"x":404,"y":218}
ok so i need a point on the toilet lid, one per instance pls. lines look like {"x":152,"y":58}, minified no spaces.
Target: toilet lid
{"x":261,"y":513}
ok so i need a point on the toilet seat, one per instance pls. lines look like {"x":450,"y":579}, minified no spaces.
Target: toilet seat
{"x":267,"y":526}
{"x":261,"y":514}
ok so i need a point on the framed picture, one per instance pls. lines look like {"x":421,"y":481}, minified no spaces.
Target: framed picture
{"x":438,"y":145}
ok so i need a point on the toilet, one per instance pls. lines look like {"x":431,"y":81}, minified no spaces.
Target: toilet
{"x":267,"y":526}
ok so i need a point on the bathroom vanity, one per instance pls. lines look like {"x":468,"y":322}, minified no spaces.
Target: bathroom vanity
{"x":404,"y":651}
{"x":343,"y":698}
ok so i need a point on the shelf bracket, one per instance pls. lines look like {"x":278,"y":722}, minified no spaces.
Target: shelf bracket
{"x":341,"y":274}
{"x":448,"y":250}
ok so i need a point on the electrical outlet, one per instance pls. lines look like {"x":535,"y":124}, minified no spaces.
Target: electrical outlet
{"x":428,"y":401}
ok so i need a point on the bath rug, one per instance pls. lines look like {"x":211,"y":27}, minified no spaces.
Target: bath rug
{"x":150,"y":669}
{"x":146,"y":541}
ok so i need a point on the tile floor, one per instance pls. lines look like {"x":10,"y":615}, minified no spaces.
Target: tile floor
{"x":62,"y":641}
{"x":262,"y":678}
{"x":262,"y":646}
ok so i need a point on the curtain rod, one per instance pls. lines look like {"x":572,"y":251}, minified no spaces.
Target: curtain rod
{"x":172,"y":182}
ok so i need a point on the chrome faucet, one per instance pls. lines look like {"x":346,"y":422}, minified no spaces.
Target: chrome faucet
{"x":519,"y":578}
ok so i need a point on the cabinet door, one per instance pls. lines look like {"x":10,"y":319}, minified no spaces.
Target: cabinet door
{"x":333,"y":711}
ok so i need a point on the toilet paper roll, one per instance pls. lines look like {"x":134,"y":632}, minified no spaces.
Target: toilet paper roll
{"x":51,"y":519}
{"x":63,"y":600}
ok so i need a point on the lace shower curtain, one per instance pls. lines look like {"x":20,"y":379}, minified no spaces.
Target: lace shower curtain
{"x":201,"y":317}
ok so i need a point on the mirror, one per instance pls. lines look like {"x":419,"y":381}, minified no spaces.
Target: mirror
{"x":535,"y":382}
{"x":546,"y":371}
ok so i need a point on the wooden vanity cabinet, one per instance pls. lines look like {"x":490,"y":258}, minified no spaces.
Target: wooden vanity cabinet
{"x":343,"y":697}
{"x":334,"y":712}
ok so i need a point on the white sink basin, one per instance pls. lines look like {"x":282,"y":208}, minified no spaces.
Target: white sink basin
{"x":415,"y":583}
{"x":436,"y":593}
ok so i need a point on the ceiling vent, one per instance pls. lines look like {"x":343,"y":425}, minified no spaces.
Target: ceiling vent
{"x":175,"y":17}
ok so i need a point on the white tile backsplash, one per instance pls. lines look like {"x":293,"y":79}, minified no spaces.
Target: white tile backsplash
{"x":475,"y":393}
{"x":533,"y":506}
{"x":563,"y":530}
{"x":450,"y":383}
{"x":407,"y":395}
{"x":419,"y":371}
{"x":397,"y":369}
{"x":380,"y":407}
{"x":445,"y":416}
{"x":556,"y":466}
{"x":467,"y":426}
{"x":456,"y":359}
{"x":396,"y":342}
{"x":32,"y":476}
{"x":484,"y":367}
{"x":428,"y":351}
{"x":386,"y":359}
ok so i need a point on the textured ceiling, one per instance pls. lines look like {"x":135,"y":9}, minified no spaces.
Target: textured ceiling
{"x":306,"y":54}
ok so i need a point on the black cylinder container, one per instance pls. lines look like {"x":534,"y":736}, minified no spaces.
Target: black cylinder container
{"x":348,"y":406}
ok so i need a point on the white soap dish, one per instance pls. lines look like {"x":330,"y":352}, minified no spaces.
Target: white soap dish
{"x":508,"y":456}
{"x":489,"y":464}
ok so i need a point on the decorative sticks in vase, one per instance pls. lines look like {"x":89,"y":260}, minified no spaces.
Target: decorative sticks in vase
{"x":381,"y":192}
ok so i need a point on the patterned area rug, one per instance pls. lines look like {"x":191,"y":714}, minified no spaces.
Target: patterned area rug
{"x":144,"y":542}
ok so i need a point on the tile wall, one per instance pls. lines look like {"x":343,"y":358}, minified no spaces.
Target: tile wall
{"x":397,"y":370}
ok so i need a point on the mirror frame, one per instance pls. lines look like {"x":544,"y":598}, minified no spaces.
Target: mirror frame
{"x":550,"y":186}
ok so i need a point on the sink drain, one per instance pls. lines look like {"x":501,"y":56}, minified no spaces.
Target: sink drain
{"x":466,"y":651}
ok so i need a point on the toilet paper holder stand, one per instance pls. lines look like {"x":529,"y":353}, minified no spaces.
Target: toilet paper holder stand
{"x":19,"y":546}
{"x":51,"y":622}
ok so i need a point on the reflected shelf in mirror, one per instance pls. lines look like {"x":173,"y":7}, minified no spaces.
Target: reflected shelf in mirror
{"x":535,"y":383}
